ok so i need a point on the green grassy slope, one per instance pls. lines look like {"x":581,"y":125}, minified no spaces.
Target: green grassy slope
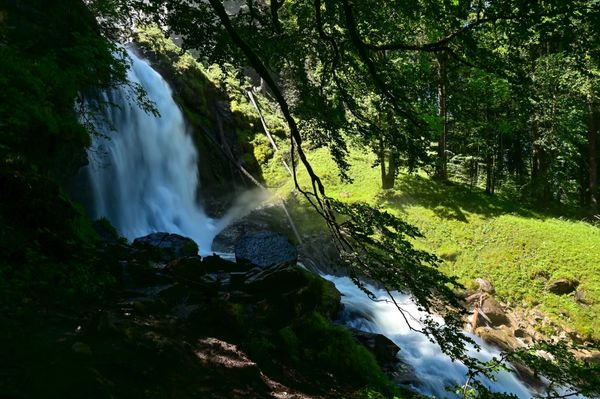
{"x":479,"y":236}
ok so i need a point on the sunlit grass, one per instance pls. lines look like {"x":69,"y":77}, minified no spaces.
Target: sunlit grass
{"x":476,"y":235}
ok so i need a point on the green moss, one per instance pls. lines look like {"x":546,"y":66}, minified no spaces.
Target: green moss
{"x":263,"y":151}
{"x":314,"y":342}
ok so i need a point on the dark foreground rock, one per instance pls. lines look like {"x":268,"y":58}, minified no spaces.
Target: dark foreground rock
{"x":185,"y":329}
{"x":167,"y":246}
{"x":384,"y":349}
{"x":562,"y":286}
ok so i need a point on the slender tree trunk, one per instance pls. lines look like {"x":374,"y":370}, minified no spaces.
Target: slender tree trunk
{"x":389,"y":180}
{"x":441,"y":167}
{"x":489,"y":179}
{"x":540,"y":191}
{"x":388,"y":172}
{"x":381,"y":156}
{"x":592,"y":157}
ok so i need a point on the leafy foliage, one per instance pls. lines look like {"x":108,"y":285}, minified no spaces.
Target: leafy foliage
{"x":557,"y":363}
{"x":51,"y":56}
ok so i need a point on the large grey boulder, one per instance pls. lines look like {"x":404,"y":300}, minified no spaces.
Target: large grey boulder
{"x":265,"y":249}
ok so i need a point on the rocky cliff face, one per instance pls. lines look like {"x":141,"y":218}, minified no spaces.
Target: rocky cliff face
{"x":221,"y":134}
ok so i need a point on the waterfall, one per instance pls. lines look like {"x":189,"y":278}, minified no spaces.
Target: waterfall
{"x":143,"y":168}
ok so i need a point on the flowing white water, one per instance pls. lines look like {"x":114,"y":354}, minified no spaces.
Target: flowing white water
{"x":433,"y":370}
{"x":144,"y":170}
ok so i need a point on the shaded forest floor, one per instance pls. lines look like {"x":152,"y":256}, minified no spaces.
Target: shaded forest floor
{"x":520,"y":250}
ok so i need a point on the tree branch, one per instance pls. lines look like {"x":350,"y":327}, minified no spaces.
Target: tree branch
{"x":275,"y":6}
{"x":318,"y":192}
{"x":364,"y":56}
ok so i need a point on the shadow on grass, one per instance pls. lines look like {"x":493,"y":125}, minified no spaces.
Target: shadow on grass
{"x":448,"y":200}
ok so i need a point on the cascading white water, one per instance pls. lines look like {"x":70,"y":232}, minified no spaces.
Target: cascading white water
{"x":434,"y":371}
{"x":144,"y":170}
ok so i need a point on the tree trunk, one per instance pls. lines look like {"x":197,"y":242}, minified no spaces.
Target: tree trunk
{"x":592,"y":157}
{"x":441,"y":167}
{"x":389,"y":180}
{"x":381,"y":156}
{"x":539,"y":188}
{"x":489,"y":180}
{"x":388,"y":173}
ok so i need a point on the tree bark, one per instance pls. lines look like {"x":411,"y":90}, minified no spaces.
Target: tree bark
{"x":490,"y":176}
{"x":592,"y":157}
{"x":539,"y":188}
{"x":389,"y":179}
{"x":388,"y":172}
{"x":381,"y":155}
{"x":441,"y":167}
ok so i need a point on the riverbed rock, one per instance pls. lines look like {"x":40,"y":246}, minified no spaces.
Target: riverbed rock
{"x":485,"y":286}
{"x":319,"y":254}
{"x":285,"y":292}
{"x":501,"y":337}
{"x":489,"y":311}
{"x":278,"y":278}
{"x":562,"y":286}
{"x":266,"y":217}
{"x":589,"y":356}
{"x":384,"y":349}
{"x":194,"y":267}
{"x":265,"y":249}
{"x":216,"y":264}
{"x":189,"y":267}
{"x":495,"y":312}
{"x":167,"y":246}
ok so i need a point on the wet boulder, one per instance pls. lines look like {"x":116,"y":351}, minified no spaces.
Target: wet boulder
{"x":264,"y":249}
{"x":267,"y":217}
{"x":384,"y":349}
{"x":166,"y":246}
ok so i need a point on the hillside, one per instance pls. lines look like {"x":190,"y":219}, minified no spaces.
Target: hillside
{"x":519,"y":250}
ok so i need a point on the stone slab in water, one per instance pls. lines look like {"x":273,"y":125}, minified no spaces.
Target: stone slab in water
{"x":265,"y":249}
